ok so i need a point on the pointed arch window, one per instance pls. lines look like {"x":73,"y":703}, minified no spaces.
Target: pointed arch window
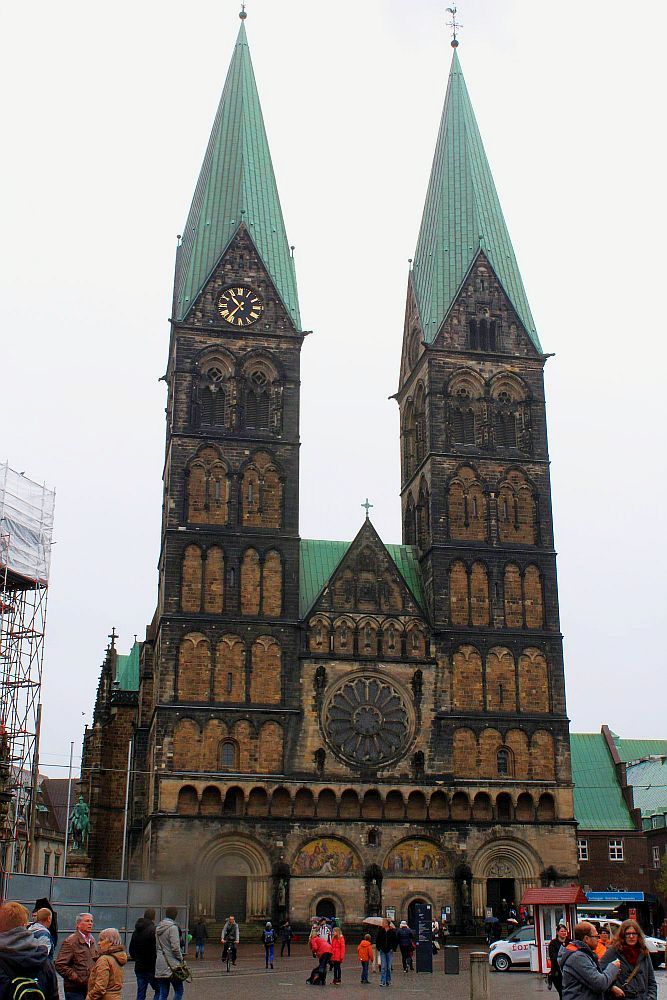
{"x":257,"y":401}
{"x":213,"y":397}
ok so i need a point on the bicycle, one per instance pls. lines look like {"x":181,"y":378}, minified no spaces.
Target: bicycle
{"x":229,"y":956}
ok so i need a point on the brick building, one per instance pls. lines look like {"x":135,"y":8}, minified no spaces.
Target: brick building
{"x":620,"y":804}
{"x":321,"y":726}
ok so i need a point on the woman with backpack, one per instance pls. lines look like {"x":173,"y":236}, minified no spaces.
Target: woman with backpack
{"x":268,"y":940}
{"x":636,"y":978}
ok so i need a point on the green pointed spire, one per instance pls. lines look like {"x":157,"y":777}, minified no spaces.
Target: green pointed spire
{"x":462,"y":216}
{"x":236,"y":185}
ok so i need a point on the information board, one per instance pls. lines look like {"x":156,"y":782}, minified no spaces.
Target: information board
{"x":424,"y":953}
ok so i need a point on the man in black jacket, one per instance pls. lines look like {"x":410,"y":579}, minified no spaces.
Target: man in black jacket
{"x":143,"y":950}
{"x":386,"y":943}
{"x":21,"y":957}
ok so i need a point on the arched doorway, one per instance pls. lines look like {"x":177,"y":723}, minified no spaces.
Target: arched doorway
{"x":502,"y":870}
{"x":412,"y":911}
{"x":234,"y":877}
{"x":326,"y":908}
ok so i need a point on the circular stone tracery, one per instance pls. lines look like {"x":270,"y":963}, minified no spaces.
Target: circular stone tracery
{"x":366,"y":720}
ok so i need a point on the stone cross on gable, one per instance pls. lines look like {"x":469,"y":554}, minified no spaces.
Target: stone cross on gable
{"x":368,"y":506}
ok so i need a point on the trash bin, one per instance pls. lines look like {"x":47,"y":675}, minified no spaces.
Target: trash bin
{"x":452,"y":960}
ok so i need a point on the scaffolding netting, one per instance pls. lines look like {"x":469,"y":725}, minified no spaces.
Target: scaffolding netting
{"x":26,"y":526}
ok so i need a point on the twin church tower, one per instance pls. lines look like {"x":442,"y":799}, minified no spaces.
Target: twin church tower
{"x":321,"y":727}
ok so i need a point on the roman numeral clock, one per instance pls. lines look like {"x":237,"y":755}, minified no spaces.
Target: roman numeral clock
{"x":240,"y":306}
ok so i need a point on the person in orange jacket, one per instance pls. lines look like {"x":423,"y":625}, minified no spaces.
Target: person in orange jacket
{"x":603,"y":942}
{"x":365,"y":953}
{"x":337,"y":953}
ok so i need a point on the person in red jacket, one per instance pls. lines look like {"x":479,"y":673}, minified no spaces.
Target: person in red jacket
{"x":337,"y":953}
{"x":321,"y":949}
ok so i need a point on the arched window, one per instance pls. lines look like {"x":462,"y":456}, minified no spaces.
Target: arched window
{"x":213,"y":397}
{"x":409,"y":523}
{"x":257,"y":401}
{"x":503,"y":762}
{"x":229,"y":756}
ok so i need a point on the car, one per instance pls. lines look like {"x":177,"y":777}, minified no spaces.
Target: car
{"x":655,"y":945}
{"x":512,"y":950}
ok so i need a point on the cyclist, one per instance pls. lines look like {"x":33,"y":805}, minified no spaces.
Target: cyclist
{"x":229,"y":939}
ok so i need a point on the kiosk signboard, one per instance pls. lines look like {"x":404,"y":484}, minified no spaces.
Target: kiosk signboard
{"x":424,"y":954}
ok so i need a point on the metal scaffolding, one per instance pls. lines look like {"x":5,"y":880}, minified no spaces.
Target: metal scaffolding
{"x":26,"y":526}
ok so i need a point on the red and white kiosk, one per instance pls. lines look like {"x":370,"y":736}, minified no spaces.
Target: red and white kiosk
{"x":551,"y":907}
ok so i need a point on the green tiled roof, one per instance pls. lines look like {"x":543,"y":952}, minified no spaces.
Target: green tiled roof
{"x":236,"y":185}
{"x":462,"y":216}
{"x":127,"y":669}
{"x":598,"y":801}
{"x":649,"y":784}
{"x":637,"y":749}
{"x":319,"y":559}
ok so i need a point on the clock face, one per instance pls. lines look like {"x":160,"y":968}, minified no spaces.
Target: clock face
{"x":240,"y":306}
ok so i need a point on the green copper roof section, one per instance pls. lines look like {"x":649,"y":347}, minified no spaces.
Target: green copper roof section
{"x":127,"y":669}
{"x":629,"y":750}
{"x":318,"y":561}
{"x":598,"y":800}
{"x":236,"y":185}
{"x":649,"y":784}
{"x":462,"y":216}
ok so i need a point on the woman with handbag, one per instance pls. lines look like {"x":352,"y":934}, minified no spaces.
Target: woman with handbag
{"x":170,"y":967}
{"x":636,"y":980}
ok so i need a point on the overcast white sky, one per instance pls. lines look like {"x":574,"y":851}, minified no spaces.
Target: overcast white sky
{"x":107,"y":114}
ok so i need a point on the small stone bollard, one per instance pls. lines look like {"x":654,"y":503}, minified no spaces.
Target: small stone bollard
{"x":479,"y":976}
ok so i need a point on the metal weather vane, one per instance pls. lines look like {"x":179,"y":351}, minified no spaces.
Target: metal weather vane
{"x":454,"y":25}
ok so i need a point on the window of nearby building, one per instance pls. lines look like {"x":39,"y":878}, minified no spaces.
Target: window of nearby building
{"x":615,"y":849}
{"x":47,"y":862}
{"x":56,"y":864}
{"x":582,"y":850}
{"x":655,"y":855}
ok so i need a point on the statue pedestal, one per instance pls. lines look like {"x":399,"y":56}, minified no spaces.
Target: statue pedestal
{"x":78,"y":864}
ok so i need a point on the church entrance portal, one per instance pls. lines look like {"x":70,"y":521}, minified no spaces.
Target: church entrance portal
{"x":325,"y":908}
{"x":230,"y":897}
{"x":497,"y":890}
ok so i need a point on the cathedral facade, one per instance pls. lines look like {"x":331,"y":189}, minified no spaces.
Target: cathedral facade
{"x":319,"y":727}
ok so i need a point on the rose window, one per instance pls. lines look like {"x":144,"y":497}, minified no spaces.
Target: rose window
{"x":366,"y":720}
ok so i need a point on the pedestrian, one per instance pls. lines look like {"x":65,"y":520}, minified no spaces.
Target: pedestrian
{"x":24,"y":962}
{"x":322,"y":952}
{"x":40,"y":904}
{"x":143,"y":950}
{"x":108,"y":973}
{"x":386,"y":943}
{"x":636,"y":978}
{"x":76,"y":958}
{"x":324,"y":930}
{"x":603,"y":942}
{"x":40,"y":929}
{"x":561,"y":939}
{"x":582,"y":978}
{"x":337,"y":953}
{"x":286,"y":939}
{"x":406,"y":942}
{"x":229,"y":939}
{"x":268,"y":940}
{"x":169,"y":956}
{"x":365,"y":953}
{"x":201,"y":936}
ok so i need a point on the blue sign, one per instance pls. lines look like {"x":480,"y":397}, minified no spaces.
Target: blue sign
{"x":615,"y":897}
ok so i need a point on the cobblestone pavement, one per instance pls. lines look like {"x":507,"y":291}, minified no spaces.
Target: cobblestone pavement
{"x":250,"y":981}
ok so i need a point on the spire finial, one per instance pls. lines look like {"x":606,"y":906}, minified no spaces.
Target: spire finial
{"x":368,"y":506}
{"x":454,"y":25}
{"x":242,"y":12}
